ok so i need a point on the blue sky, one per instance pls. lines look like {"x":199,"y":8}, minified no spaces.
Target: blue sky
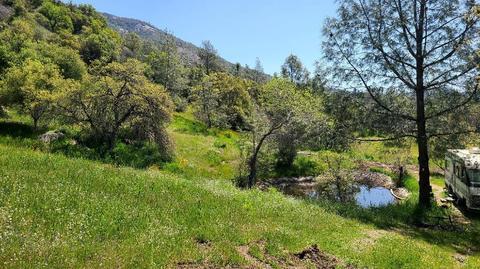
{"x":240,"y":30}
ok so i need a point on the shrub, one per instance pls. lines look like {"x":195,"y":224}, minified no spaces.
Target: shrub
{"x":140,"y":155}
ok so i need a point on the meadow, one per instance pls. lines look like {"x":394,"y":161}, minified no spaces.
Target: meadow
{"x":58,"y":211}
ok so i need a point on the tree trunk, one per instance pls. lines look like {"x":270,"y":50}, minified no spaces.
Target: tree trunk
{"x":111,"y":141}
{"x":422,"y":141}
{"x":252,"y":164}
{"x":35,"y":124}
{"x":252,"y":176}
{"x":338,"y":182}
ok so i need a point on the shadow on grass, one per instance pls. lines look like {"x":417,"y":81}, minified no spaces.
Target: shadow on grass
{"x":135,"y":155}
{"x":18,"y":130}
{"x":187,"y":126}
{"x":407,"y":218}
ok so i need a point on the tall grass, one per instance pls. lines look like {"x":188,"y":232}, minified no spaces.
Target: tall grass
{"x":59,"y":212}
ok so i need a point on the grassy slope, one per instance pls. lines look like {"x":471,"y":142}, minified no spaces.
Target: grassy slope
{"x":60,"y":212}
{"x":203,"y":152}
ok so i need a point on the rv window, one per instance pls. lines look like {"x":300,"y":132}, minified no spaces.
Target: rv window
{"x":465,"y":176}
{"x":474,"y":176}
{"x":448,"y":164}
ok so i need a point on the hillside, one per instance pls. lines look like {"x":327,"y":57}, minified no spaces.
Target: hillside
{"x":114,"y":153}
{"x":58,"y":212}
{"x":187,"y":50}
{"x":61,"y":212}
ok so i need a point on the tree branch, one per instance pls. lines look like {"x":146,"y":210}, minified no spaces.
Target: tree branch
{"x":406,"y":32}
{"x":378,"y":46}
{"x":384,"y":139}
{"x":452,"y":133}
{"x":450,"y":109}
{"x":367,"y":87}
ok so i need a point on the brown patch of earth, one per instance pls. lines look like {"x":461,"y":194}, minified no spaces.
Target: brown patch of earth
{"x":370,"y":238}
{"x":311,"y":257}
{"x":320,"y":259}
{"x":460,"y":258}
{"x":252,"y":260}
{"x":373,"y":179}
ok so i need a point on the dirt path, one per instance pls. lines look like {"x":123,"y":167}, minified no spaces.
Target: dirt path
{"x":439,"y":194}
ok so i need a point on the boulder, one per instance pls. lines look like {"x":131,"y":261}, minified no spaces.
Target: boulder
{"x":3,"y":113}
{"x":5,"y":12}
{"x":51,"y":136}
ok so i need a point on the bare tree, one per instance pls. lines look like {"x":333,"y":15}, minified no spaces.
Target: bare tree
{"x":209,"y":57}
{"x":294,"y":70}
{"x":420,"y":48}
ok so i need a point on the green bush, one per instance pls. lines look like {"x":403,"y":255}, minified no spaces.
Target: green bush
{"x":303,"y":166}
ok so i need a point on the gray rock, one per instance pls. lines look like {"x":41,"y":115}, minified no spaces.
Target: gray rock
{"x":5,"y":11}
{"x":3,"y":113}
{"x":51,"y":136}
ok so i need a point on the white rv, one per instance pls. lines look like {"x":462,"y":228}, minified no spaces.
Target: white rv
{"x":462,"y":176}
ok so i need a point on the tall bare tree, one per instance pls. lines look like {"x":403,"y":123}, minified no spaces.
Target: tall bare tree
{"x":209,"y":57}
{"x":294,"y":70}
{"x":422,"y":49}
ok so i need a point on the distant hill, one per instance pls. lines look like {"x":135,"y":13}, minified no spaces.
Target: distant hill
{"x":187,"y":50}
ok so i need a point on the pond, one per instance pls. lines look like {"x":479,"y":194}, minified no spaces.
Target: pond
{"x":374,"y":197}
{"x":362,"y":195}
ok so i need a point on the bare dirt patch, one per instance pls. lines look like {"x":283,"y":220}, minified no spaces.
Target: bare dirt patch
{"x":254,"y":261}
{"x":371,"y":237}
{"x":320,"y":259}
{"x":311,"y":257}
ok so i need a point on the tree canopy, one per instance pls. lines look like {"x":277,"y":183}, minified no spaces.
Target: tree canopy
{"x":420,"y":51}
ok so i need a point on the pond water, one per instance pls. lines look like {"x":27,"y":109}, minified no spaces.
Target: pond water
{"x":374,"y":197}
{"x":362,"y":195}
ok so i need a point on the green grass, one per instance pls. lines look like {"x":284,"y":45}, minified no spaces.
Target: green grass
{"x":438,"y":180}
{"x":58,"y":212}
{"x":199,"y":151}
{"x":385,"y":152}
{"x":203,"y":152}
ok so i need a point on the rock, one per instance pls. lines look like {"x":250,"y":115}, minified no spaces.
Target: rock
{"x":51,"y":136}
{"x":402,"y":193}
{"x":5,"y":12}
{"x":447,"y":200}
{"x":460,"y":257}
{"x":3,"y":113}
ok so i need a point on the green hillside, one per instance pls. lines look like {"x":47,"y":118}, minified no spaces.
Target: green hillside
{"x":124,"y":147}
{"x":57,"y":212}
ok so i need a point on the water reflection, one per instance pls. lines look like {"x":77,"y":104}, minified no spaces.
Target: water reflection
{"x":374,"y":197}
{"x":362,"y":195}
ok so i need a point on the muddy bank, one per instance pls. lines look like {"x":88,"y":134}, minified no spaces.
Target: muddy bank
{"x":375,"y":180}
